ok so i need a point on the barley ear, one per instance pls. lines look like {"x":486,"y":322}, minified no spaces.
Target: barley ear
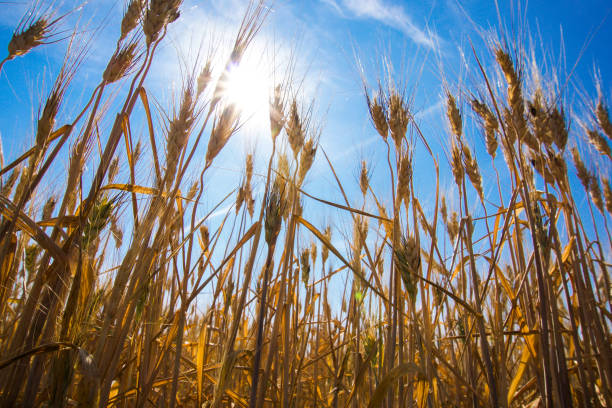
{"x":120,"y":63}
{"x":398,"y":118}
{"x":407,"y":259}
{"x":603,"y":118}
{"x":453,"y":226}
{"x":158,"y":14}
{"x":325,"y":249}
{"x":178,"y":133}
{"x":599,"y":143}
{"x":7,"y":187}
{"x":307,"y":157}
{"x":456,"y":164}
{"x":131,"y":17}
{"x":49,"y":207}
{"x":454,"y":116}
{"x":558,"y":128}
{"x":295,"y":130}
{"x":607,"y":193}
{"x":277,"y":113}
{"x":274,"y":208}
{"x":444,"y":209}
{"x":305,"y":266}
{"x":223,"y":128}
{"x":584,"y":175}
{"x":364,"y":178}
{"x":23,"y":41}
{"x":403,"y":179}
{"x":490,"y":125}
{"x":472,"y":170}
{"x":378,"y":113}
{"x":595,"y":192}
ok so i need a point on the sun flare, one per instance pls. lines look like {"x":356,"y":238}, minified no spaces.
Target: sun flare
{"x":248,"y":87}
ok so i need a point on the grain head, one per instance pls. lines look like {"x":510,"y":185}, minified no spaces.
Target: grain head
{"x":398,"y":118}
{"x":603,"y":118}
{"x":295,"y":130}
{"x":364,"y":178}
{"x":131,"y":17}
{"x":490,"y":125}
{"x":25,"y":39}
{"x":407,"y":259}
{"x":378,"y":114}
{"x":454,"y":116}
{"x":599,"y":142}
{"x":120,"y":63}
{"x":277,"y":112}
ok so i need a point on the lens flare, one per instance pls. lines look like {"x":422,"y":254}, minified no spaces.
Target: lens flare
{"x":248,"y":88}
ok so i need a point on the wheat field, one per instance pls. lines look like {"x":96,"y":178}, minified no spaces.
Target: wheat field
{"x":120,"y":291}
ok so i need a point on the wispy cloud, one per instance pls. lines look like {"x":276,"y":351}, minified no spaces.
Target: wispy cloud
{"x":392,"y":15}
{"x":430,"y":110}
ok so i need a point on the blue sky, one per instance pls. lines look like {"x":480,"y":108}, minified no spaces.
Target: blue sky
{"x":336,"y":43}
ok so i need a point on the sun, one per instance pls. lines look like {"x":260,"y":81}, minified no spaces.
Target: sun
{"x":248,"y":85}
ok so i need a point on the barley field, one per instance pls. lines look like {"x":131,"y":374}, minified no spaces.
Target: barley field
{"x":133,"y":274}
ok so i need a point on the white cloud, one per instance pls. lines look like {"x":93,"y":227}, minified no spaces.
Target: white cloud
{"x":334,"y":5}
{"x":430,"y":110}
{"x":392,"y":15}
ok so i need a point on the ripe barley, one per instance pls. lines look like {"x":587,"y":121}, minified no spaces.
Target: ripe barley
{"x":454,"y":116}
{"x":295,"y":130}
{"x":313,"y":252}
{"x":558,"y":168}
{"x":178,"y":133}
{"x":116,"y":231}
{"x":46,"y":120}
{"x":490,"y":125}
{"x":444,"y":210}
{"x":305,"y":266}
{"x":378,"y":114}
{"x":407,"y":259}
{"x":607,"y":193}
{"x":120,"y":63}
{"x":274,"y":207}
{"x":539,"y":164}
{"x":515,"y":97}
{"x":307,"y":157}
{"x":603,"y":118}
{"x":277,"y":113}
{"x":223,"y":128}
{"x":113,"y":169}
{"x":204,"y":78}
{"x":7,"y":187}
{"x":283,"y":166}
{"x":471,"y":168}
{"x":557,"y":127}
{"x":364,"y":178}
{"x":325,"y":248}
{"x":453,"y":226}
{"x":48,"y":208}
{"x":456,"y":164}
{"x":239,"y":199}
{"x":23,"y":41}
{"x":595,"y":192}
{"x":403,"y":180}
{"x":158,"y":14}
{"x":398,"y":118}
{"x":540,"y":119}
{"x":599,"y":143}
{"x":516,"y":125}
{"x":131,"y":17}
{"x":584,"y":175}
